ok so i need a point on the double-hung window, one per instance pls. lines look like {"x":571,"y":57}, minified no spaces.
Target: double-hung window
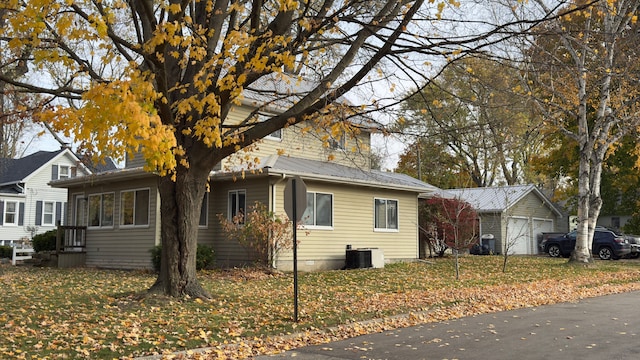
{"x":134,"y":207}
{"x":10,"y":215}
{"x":48,"y":212}
{"x":237,"y":205}
{"x":319,"y":212}
{"x":276,"y":135}
{"x":386,"y":215}
{"x":101,"y":210}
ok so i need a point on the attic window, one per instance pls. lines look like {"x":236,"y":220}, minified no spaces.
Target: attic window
{"x":276,"y":135}
{"x":65,"y":172}
{"x":337,"y":144}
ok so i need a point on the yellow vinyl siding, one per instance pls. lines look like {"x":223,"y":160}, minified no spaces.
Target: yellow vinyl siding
{"x":353,"y":224}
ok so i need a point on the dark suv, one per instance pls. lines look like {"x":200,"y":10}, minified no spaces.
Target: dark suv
{"x":607,"y":243}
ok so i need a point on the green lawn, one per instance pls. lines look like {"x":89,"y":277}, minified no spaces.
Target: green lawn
{"x":76,"y":313}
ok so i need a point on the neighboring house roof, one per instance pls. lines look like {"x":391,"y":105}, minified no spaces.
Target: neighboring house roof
{"x":14,"y":171}
{"x":496,"y":199}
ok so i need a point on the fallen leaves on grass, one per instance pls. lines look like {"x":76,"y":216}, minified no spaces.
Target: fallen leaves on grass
{"x":87,"y":313}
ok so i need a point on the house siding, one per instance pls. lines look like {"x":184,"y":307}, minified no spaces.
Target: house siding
{"x":227,"y":252}
{"x":299,"y":141}
{"x":36,"y":188}
{"x":353,"y":224}
{"x":117,"y":246}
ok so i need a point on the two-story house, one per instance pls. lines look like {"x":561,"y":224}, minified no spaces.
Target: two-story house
{"x":348,"y":203}
{"x":28,"y":205}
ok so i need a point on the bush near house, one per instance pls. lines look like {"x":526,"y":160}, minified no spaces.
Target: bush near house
{"x":6,"y":252}
{"x":45,"y":241}
{"x":204,"y":257}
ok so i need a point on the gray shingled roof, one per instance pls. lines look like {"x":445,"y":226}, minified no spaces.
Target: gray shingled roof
{"x":16,"y":170}
{"x":335,"y":172}
{"x":495,"y":199}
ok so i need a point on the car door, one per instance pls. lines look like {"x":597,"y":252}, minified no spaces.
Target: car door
{"x":570,"y":242}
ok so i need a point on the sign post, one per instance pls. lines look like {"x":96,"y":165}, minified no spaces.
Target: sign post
{"x":295,"y":203}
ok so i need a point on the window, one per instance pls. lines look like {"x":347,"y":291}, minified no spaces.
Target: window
{"x":64,"y":172}
{"x":134,"y":207}
{"x":386,"y":214}
{"x":48,"y":212}
{"x":10,"y":215}
{"x":101,"y":210}
{"x":319,"y":210}
{"x":276,"y":135}
{"x":237,"y":204}
{"x":338,"y":144}
{"x":204,"y":211}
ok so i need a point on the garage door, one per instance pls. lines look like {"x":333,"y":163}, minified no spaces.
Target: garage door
{"x":541,"y":226}
{"x":518,"y":237}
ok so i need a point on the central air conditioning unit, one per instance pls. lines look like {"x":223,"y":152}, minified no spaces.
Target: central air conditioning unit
{"x":364,"y":258}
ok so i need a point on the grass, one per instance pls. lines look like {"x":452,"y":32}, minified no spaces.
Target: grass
{"x":88,"y":313}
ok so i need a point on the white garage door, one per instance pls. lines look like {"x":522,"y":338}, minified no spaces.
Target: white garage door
{"x":540,"y":226}
{"x":518,"y":237}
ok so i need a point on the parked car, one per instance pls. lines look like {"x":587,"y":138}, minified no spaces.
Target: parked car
{"x":634,"y":241}
{"x":607,"y":244}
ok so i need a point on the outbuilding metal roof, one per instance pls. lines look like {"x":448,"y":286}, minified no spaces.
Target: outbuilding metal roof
{"x":496,"y":199}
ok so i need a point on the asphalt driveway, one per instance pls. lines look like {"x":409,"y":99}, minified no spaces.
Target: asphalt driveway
{"x":605,"y":327}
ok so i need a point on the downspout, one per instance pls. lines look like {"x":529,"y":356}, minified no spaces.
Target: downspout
{"x":274,"y":207}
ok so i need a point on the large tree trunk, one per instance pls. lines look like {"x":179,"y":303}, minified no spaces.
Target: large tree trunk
{"x":181,"y":202}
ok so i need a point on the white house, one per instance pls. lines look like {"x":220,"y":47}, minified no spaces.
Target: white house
{"x":28,"y":205}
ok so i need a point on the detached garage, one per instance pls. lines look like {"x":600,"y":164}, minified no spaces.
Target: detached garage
{"x":516,"y":216}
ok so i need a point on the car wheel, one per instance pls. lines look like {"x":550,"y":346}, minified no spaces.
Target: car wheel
{"x":554,"y":251}
{"x":634,"y":255}
{"x":605,"y":253}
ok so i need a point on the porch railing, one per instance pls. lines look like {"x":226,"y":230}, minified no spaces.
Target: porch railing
{"x":71,"y":238}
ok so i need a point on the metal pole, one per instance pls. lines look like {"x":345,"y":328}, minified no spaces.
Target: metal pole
{"x":295,"y":252}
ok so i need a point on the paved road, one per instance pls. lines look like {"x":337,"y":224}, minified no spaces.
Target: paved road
{"x":606,"y":327}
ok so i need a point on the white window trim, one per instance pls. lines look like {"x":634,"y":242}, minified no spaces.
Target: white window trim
{"x":52,"y":213}
{"x":264,"y":117}
{"x":68,"y":168}
{"x":322,"y":227}
{"x":130,"y":226}
{"x":16,"y":213}
{"x":101,"y":195}
{"x":236,"y":191}
{"x":386,"y":229}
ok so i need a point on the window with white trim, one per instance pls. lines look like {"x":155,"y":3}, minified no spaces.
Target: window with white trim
{"x":101,"y":210}
{"x":237,"y":204}
{"x":64,"y":172}
{"x":134,"y":207}
{"x":276,"y":135}
{"x":48,"y":212}
{"x":386,"y":214}
{"x":10,"y":215}
{"x":319,"y":210}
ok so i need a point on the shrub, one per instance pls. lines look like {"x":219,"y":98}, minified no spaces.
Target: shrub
{"x":45,"y":241}
{"x":261,"y":232}
{"x":204,"y":257}
{"x":6,"y":252}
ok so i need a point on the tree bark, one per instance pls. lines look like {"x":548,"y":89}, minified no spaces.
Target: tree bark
{"x":181,"y":202}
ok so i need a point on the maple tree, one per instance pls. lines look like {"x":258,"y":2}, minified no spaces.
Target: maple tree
{"x":581,"y":70}
{"x":160,"y":78}
{"x":456,"y":222}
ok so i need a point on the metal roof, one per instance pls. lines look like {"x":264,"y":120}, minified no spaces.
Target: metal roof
{"x":496,"y":199}
{"x":331,"y":171}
